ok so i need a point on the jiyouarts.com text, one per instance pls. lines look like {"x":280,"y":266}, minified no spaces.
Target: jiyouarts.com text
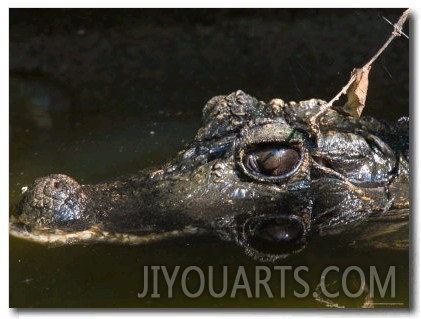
{"x":260,"y":281}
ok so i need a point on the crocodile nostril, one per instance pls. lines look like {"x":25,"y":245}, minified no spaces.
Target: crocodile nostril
{"x":52,"y":200}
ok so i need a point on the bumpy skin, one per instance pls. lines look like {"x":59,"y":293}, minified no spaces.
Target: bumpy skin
{"x":267,"y":176}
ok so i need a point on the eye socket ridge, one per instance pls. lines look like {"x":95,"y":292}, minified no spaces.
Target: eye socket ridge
{"x":272,"y":161}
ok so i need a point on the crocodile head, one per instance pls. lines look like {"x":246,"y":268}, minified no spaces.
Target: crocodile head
{"x":267,"y":176}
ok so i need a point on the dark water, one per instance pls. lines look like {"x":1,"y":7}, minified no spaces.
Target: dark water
{"x":100,"y":93}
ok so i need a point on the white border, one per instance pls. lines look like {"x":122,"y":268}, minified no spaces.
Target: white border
{"x":212,"y":4}
{"x":5,"y":312}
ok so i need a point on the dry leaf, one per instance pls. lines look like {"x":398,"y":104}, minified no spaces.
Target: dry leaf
{"x":357,"y":92}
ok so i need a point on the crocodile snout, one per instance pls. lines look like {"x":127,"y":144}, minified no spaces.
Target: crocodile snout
{"x":51,"y":201}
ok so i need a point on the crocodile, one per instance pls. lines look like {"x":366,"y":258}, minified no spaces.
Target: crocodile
{"x":267,"y":176}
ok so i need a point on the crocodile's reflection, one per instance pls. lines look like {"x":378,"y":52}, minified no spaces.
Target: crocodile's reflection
{"x":256,"y":173}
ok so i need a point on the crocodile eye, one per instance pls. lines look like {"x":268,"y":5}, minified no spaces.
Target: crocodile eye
{"x":273,"y":160}
{"x":279,"y":231}
{"x":275,"y":235}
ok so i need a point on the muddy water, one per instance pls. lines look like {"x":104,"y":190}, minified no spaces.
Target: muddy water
{"x":97,"y":94}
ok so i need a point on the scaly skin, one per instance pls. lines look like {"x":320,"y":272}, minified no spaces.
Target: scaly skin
{"x":258,"y":174}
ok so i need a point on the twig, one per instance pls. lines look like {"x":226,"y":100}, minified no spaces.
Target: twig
{"x":387,"y":20}
{"x":397,"y":31}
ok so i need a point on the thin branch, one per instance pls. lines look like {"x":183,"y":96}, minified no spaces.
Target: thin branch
{"x":387,"y":20}
{"x":397,"y":31}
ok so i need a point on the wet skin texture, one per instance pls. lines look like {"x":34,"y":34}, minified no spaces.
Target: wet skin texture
{"x":269,"y":176}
